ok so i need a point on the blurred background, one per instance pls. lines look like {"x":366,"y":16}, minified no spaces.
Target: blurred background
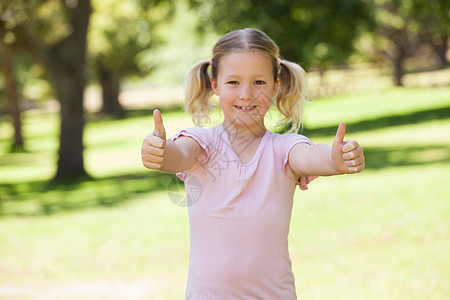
{"x":81,"y":218}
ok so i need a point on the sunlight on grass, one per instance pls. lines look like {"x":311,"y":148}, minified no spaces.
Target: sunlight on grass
{"x":372,"y":105}
{"x":124,"y":243}
{"x":372,"y":236}
{"x":114,"y":147}
{"x":351,"y":235}
{"x":427,"y":134}
{"x":381,"y":234}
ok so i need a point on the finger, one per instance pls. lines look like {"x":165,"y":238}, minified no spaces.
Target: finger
{"x":303,"y":183}
{"x":351,"y":154}
{"x":154,"y":141}
{"x":350,"y":146}
{"x":152,"y":150}
{"x":354,"y":162}
{"x":340,"y":133}
{"x":147,"y":158}
{"x":159,"y":131}
{"x":355,"y":165}
{"x":151,"y":161}
{"x":152,"y":165}
{"x":357,"y":169}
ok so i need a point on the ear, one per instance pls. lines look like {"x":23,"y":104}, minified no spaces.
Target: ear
{"x":214,"y":85}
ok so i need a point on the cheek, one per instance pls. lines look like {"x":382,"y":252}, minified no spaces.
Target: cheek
{"x":265,"y":97}
{"x":226,"y":96}
{"x":225,"y":102}
{"x":263,"y":109}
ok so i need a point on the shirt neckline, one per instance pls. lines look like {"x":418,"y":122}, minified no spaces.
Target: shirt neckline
{"x":255,"y":155}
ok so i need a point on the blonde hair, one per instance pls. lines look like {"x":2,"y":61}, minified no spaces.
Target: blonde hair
{"x":292,"y":91}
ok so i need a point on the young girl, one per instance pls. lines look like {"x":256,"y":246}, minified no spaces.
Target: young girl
{"x":240,"y":177}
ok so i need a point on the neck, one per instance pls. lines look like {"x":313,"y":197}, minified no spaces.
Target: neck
{"x":244,"y":140}
{"x":243,"y":130}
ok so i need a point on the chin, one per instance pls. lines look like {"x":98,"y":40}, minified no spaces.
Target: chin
{"x":247,"y":122}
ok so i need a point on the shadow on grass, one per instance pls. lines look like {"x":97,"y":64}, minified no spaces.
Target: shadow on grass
{"x":381,"y":158}
{"x":395,"y":120}
{"x":145,"y":112}
{"x":42,"y":198}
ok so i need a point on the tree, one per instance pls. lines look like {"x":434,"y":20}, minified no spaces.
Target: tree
{"x":12,"y":94}
{"x":54,"y":33}
{"x":120,"y":32}
{"x":403,"y":26}
{"x":311,"y":32}
{"x":434,"y":22}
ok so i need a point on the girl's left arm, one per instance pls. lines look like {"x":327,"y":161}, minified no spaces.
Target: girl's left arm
{"x":344,"y":157}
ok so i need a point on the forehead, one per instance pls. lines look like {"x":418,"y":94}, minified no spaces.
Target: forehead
{"x":246,"y":63}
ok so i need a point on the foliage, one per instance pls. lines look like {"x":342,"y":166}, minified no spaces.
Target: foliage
{"x":404,"y":28}
{"x":318,"y":33}
{"x":59,"y":44}
{"x":120,"y":30}
{"x":181,"y":46}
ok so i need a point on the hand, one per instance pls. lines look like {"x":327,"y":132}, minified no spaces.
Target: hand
{"x":304,"y":181}
{"x":152,"y":151}
{"x":347,"y":156}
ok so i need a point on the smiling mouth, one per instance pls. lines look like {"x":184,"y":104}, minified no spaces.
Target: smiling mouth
{"x":246,"y":108}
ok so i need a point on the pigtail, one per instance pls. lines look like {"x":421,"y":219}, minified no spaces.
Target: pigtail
{"x":292,"y":93}
{"x":198,"y":91}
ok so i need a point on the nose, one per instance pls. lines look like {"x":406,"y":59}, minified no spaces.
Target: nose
{"x":245,"y":93}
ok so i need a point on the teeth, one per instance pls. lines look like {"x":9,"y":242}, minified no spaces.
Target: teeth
{"x":246,"y":107}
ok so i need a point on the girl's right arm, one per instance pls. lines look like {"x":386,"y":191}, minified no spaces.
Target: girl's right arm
{"x":168,"y":156}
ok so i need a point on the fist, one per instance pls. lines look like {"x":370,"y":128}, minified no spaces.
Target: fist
{"x":152,"y":151}
{"x":347,"y":156}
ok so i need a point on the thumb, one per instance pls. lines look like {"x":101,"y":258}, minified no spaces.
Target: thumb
{"x":159,"y":131}
{"x":339,"y":139}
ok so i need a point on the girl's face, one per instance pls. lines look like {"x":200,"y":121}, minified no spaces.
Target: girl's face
{"x":245,"y":86}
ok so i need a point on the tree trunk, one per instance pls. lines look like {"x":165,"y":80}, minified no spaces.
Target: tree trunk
{"x":110,"y":84}
{"x":12,"y":95}
{"x":441,"y":51}
{"x":398,"y":71}
{"x":69,"y":89}
{"x":67,"y":71}
{"x":398,"y":57}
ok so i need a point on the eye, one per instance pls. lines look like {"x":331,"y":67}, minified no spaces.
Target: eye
{"x":260,"y":82}
{"x":232,"y":82}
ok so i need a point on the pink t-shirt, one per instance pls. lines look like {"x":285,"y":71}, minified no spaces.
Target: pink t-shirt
{"x":239,"y":217}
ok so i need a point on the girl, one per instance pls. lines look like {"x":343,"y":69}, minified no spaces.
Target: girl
{"x":240,"y":177}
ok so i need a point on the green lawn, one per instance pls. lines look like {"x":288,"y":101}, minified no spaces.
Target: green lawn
{"x":381,"y":234}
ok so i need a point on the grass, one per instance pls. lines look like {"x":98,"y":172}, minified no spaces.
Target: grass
{"x":378,"y":235}
{"x":381,"y":234}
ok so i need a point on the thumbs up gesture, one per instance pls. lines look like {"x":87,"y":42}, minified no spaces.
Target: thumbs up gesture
{"x":347,"y":156}
{"x":152,"y":151}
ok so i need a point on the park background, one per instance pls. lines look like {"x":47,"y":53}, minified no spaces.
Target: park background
{"x":81,"y":218}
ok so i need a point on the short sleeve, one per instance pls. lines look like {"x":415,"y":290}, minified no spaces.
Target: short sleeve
{"x":288,"y":142}
{"x":201,"y":136}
